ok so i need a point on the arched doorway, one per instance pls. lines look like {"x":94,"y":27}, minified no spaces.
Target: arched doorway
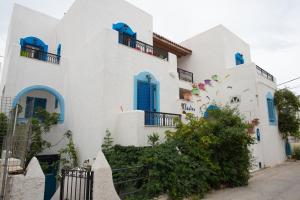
{"x":40,"y":96}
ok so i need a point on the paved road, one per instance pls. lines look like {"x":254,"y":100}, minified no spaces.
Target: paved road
{"x":277,"y":183}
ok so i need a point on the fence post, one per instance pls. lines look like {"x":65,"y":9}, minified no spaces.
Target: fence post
{"x":62,"y":182}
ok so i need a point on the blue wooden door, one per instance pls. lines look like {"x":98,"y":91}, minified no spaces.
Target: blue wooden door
{"x":51,"y":166}
{"x":146,"y":100}
{"x":146,"y":96}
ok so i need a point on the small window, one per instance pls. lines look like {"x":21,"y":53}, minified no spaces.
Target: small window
{"x":271,"y":110}
{"x":239,"y":59}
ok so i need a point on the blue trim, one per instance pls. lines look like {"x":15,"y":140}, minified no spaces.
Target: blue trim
{"x":210,"y":107}
{"x":142,"y":76}
{"x":34,"y":41}
{"x":271,"y":109}
{"x":124,"y":28}
{"x":239,"y":59}
{"x":47,"y":89}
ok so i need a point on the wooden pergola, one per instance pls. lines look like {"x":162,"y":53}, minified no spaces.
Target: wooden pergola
{"x":166,"y":44}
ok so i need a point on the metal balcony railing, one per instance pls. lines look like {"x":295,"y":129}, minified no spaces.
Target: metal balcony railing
{"x":185,"y":75}
{"x":161,"y":119}
{"x":39,"y":55}
{"x":264,"y":73}
{"x":142,"y":46}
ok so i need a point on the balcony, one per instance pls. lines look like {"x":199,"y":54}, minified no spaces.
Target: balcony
{"x":39,"y":55}
{"x":143,"y":47}
{"x":185,"y":75}
{"x":161,"y":119}
{"x":264,"y":74}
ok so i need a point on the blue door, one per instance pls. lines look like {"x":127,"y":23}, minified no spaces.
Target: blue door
{"x":50,"y":167}
{"x":146,"y":96}
{"x":146,"y":100}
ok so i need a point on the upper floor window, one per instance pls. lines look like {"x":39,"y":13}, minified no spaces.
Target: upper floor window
{"x":239,"y":59}
{"x":271,"y":109}
{"x":33,"y":47}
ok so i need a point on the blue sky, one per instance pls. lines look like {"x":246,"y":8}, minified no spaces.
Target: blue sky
{"x":271,"y":27}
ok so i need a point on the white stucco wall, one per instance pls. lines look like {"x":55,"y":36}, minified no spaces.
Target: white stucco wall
{"x":29,"y":186}
{"x":132,"y":131}
{"x":213,"y":51}
{"x":96,"y":74}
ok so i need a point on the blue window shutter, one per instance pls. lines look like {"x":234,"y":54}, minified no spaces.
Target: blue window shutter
{"x":239,"y":59}
{"x":29,"y":107}
{"x":271,"y":110}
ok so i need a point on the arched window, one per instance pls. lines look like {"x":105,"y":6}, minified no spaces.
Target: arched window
{"x":210,"y":107}
{"x":271,"y":108}
{"x":126,"y":35}
{"x":239,"y":59}
{"x":146,"y":92}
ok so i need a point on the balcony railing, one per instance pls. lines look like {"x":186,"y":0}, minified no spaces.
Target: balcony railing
{"x":264,"y":73}
{"x":39,"y":55}
{"x":161,"y":119}
{"x":185,"y":75}
{"x":142,"y":46}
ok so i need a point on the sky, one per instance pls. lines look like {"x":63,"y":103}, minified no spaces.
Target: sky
{"x":271,"y":27}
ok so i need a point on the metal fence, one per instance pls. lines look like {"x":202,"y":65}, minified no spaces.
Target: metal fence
{"x":142,"y":46}
{"x":264,"y":73}
{"x":76,"y":184}
{"x":130,"y":182}
{"x":14,"y":139}
{"x":39,"y":55}
{"x":161,"y":119}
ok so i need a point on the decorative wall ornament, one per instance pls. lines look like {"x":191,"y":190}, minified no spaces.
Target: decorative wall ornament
{"x":207,"y":82}
{"x":235,"y":99}
{"x":215,"y":78}
{"x":201,"y":86}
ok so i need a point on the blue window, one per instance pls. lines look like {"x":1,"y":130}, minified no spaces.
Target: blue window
{"x":271,"y":109}
{"x":126,"y":35}
{"x":239,"y":59}
{"x":32,"y":104}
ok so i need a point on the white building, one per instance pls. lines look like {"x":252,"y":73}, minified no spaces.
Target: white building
{"x":102,"y":67}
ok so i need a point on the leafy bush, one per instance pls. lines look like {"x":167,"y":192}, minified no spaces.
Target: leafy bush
{"x":297,"y":153}
{"x":199,"y":155}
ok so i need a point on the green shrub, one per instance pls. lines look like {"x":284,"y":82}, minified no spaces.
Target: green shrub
{"x":297,"y":153}
{"x":201,"y":154}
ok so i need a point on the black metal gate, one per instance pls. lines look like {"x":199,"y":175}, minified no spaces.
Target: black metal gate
{"x":76,"y":184}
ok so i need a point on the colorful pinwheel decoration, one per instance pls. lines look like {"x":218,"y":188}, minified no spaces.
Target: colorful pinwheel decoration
{"x":201,"y":86}
{"x":207,"y":82}
{"x":215,"y":78}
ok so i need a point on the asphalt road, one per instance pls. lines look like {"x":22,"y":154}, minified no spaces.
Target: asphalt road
{"x":278,"y":183}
